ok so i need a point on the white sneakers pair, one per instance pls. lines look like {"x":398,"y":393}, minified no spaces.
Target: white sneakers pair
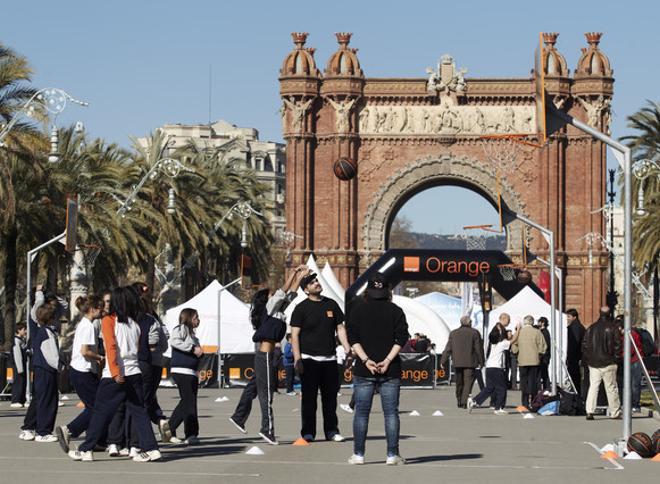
{"x":135,"y":454}
{"x":29,"y":435}
{"x":193,"y":440}
{"x":16,"y":405}
{"x":394,"y":460}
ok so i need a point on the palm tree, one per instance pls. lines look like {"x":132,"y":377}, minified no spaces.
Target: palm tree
{"x":646,"y":145}
{"x":15,"y":73}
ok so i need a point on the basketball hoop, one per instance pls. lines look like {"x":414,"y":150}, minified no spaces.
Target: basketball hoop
{"x":507,"y":271}
{"x":476,"y":241}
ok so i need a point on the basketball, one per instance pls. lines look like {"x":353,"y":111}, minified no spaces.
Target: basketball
{"x":656,"y":441}
{"x":524,"y":276}
{"x":345,"y":169}
{"x":641,"y":443}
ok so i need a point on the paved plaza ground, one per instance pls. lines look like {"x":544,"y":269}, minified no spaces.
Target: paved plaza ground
{"x":455,"y":447}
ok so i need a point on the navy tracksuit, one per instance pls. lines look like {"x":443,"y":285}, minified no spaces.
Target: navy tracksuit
{"x":86,"y":384}
{"x":42,"y":411}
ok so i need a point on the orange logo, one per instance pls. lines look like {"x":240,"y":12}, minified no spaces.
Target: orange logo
{"x":411,"y":264}
{"x":234,"y":373}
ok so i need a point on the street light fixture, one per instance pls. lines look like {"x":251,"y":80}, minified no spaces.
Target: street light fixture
{"x":167,"y":166}
{"x":642,"y":169}
{"x":54,"y":100}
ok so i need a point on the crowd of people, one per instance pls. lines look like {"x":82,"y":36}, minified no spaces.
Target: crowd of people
{"x":117,"y":362}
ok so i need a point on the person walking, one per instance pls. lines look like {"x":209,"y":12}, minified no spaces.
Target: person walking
{"x":84,"y":368}
{"x":19,"y":366}
{"x":600,"y":347}
{"x":377,"y":330}
{"x":544,"y":374}
{"x":529,"y":348}
{"x":186,"y":352}
{"x":267,"y":317}
{"x":314,"y":324}
{"x":575,"y":335}
{"x":121,"y":380}
{"x":466,"y":350}
{"x":496,"y":381}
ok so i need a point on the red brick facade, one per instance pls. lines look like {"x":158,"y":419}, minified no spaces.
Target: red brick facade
{"x":410,"y":134}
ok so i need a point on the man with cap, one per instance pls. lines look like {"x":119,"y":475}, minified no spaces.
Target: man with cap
{"x":467,"y":353}
{"x":314,"y":324}
{"x":377,"y":330}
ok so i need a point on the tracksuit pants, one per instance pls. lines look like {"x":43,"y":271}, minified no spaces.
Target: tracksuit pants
{"x":263,"y":386}
{"x":151,"y":376}
{"x":323,"y":376}
{"x":186,"y":409}
{"x":529,"y":379}
{"x":496,"y":384}
{"x":42,"y":411}
{"x":86,"y":384}
{"x":18,"y":386}
{"x":109,"y":397}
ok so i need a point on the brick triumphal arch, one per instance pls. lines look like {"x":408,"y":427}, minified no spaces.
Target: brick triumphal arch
{"x":407,"y":134}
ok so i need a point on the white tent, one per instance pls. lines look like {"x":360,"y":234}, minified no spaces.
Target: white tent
{"x":236,"y":329}
{"x":330,"y":277}
{"x":527,"y":302}
{"x":421,"y":319}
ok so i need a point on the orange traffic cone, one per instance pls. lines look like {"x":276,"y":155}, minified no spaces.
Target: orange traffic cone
{"x":300,"y":441}
{"x":522,"y":409}
{"x":80,"y":405}
{"x":610,"y":454}
{"x":656,"y":458}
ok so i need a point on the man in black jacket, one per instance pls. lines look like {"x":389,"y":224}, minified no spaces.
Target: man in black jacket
{"x":377,"y":329}
{"x":575,"y":332}
{"x":600,"y":347}
{"x":467,"y":353}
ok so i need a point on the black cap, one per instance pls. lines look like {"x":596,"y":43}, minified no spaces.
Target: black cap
{"x":377,"y":287}
{"x":305,"y":281}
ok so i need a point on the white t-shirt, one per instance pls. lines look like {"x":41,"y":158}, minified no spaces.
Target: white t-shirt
{"x":85,"y":335}
{"x":128,"y":336}
{"x":496,"y":357}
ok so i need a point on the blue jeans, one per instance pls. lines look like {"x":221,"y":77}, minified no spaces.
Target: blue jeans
{"x":363,"y":390}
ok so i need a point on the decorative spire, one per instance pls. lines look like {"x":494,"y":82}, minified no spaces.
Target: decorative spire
{"x":299,"y":38}
{"x":593,"y":61}
{"x":593,"y":38}
{"x":344,"y":38}
{"x":550,"y":38}
{"x":554,"y":63}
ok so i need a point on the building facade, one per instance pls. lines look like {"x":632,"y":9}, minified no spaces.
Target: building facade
{"x":409,"y":134}
{"x":266,"y":158}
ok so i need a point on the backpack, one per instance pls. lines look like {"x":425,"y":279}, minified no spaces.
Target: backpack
{"x":570,"y":403}
{"x":541,"y":400}
{"x":648,"y":346}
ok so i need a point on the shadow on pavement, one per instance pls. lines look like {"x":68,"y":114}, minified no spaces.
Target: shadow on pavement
{"x":436,"y":458}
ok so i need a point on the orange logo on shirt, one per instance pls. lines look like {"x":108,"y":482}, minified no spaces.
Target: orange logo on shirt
{"x":330,"y":314}
{"x":411,"y":264}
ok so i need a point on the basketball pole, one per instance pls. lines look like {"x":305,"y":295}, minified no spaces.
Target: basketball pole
{"x":627,"y":248}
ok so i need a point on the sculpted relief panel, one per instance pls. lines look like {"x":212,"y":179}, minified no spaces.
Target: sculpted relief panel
{"x":446,"y":119}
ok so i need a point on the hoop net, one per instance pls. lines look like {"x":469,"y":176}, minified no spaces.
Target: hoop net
{"x":475,"y":236}
{"x":507,"y":271}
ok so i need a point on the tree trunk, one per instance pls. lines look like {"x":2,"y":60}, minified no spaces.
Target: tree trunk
{"x":8,"y":322}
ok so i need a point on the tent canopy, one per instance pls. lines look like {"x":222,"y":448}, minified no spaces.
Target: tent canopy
{"x":236,"y":329}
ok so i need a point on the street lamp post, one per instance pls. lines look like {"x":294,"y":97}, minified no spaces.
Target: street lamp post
{"x":244,"y":210}
{"x":612,"y":296}
{"x":168,"y":166}
{"x":54,"y":100}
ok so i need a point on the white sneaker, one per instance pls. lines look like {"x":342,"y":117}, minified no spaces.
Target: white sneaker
{"x":395,"y":460}
{"x":269,"y":438}
{"x":346,"y":408}
{"x":134,"y":452}
{"x":291,"y":394}
{"x":16,"y":405}
{"x":356,"y":459}
{"x":165,"y":431}
{"x":148,"y":456}
{"x":337,"y":438}
{"x":45,"y":438}
{"x":26,"y":435}
{"x":124,"y":452}
{"x":194,"y":440}
{"x":60,"y":404}
{"x":87,"y":456}
{"x":113,"y":450}
{"x":176,"y":440}
{"x":470,"y":404}
{"x":501,"y":411}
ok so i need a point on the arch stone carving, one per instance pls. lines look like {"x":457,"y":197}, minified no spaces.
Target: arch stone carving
{"x":424,"y":173}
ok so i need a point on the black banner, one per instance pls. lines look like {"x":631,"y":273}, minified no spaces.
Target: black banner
{"x":208,"y":370}
{"x":238,"y":370}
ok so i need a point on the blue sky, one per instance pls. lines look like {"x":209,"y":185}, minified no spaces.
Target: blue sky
{"x":144,"y":63}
